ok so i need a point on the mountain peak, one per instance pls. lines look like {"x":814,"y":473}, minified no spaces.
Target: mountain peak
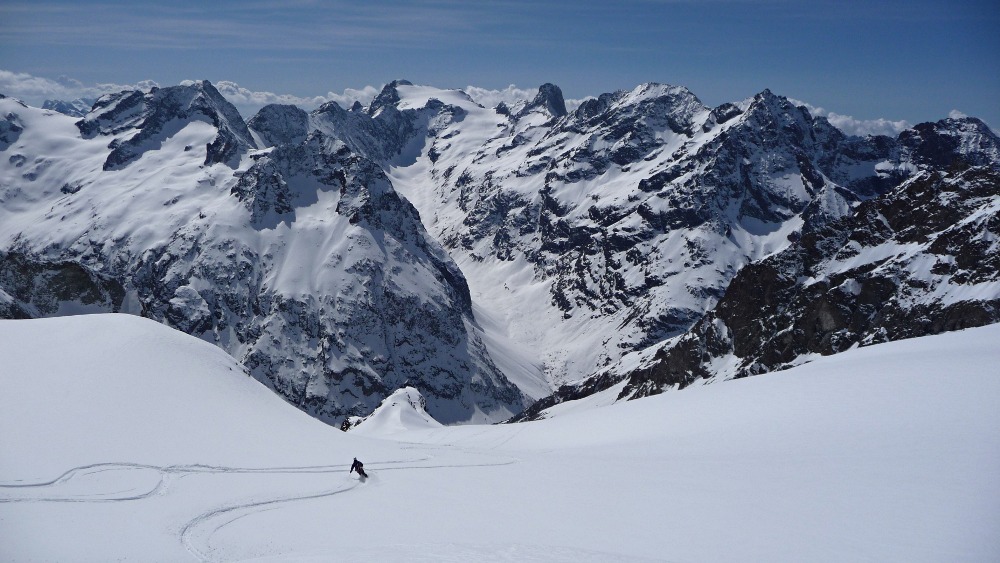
{"x":281,"y":124}
{"x":73,"y":108}
{"x":657,"y":89}
{"x":774,"y":108}
{"x":766,"y":96}
{"x":150,"y":111}
{"x":549,"y":99}
{"x":389,"y":96}
{"x":940,"y":143}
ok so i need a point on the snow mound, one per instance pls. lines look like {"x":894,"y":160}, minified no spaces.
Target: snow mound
{"x":399,"y":412}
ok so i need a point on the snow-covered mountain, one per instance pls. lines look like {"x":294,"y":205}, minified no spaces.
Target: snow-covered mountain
{"x":74,"y":108}
{"x":918,"y":259}
{"x":594,"y":236}
{"x":921,"y":259}
{"x":488,"y":255}
{"x":299,"y":260}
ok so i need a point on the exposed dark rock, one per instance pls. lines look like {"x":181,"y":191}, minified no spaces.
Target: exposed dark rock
{"x":280,"y":124}
{"x":804,"y":300}
{"x":42,"y":288}
{"x":388,"y":97}
{"x":10,"y":130}
{"x":549,"y":99}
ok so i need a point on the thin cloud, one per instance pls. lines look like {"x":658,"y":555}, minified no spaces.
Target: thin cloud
{"x":36,"y":89}
{"x":249,"y":101}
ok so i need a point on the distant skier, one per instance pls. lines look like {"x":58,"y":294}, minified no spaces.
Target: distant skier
{"x":359,"y":467}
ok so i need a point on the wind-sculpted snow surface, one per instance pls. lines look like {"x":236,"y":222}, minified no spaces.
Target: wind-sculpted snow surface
{"x":126,"y":440}
{"x":299,"y":260}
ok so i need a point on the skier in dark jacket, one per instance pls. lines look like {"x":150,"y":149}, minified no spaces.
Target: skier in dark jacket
{"x":359,"y":467}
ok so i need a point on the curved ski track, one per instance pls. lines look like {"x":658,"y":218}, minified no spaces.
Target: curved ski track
{"x":196,"y":534}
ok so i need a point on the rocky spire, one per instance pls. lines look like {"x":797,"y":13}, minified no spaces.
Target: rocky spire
{"x":549,"y":99}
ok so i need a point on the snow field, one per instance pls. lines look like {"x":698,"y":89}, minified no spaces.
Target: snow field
{"x":125,"y":440}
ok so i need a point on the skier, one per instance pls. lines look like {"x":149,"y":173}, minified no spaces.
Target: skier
{"x":359,"y":467}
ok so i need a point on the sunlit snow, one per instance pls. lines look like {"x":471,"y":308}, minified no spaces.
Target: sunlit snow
{"x":125,"y":440}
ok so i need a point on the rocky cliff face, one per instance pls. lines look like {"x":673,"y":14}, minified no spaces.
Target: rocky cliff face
{"x":300,"y":259}
{"x":919,"y":259}
{"x":599,"y":232}
{"x":151,"y":117}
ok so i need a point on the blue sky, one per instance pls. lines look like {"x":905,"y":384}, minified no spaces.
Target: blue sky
{"x":910,"y":60}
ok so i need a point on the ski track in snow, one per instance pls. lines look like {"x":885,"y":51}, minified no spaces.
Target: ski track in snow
{"x":123,"y":481}
{"x":197,"y":534}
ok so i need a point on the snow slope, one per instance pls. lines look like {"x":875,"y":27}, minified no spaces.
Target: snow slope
{"x":125,"y":440}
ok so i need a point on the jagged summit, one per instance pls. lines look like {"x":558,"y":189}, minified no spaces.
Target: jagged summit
{"x":767,"y":102}
{"x":655,"y":90}
{"x":389,"y":96}
{"x":940,"y":143}
{"x":281,"y":124}
{"x":549,"y":100}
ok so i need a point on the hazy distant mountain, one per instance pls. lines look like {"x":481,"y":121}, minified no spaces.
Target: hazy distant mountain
{"x":74,"y":108}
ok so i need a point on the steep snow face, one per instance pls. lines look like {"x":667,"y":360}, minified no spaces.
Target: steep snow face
{"x":123,"y":438}
{"x":299,"y":259}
